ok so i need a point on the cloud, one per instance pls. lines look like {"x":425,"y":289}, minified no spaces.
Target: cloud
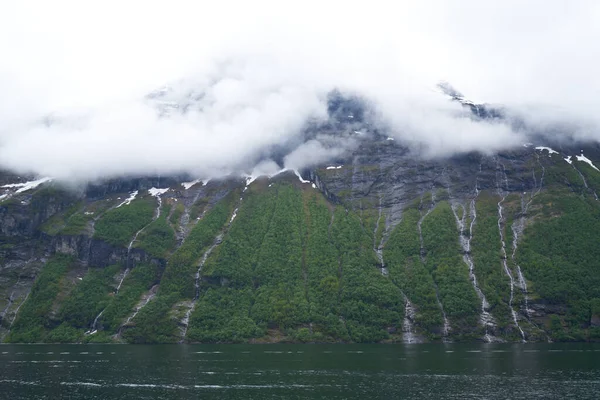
{"x":249,"y":76}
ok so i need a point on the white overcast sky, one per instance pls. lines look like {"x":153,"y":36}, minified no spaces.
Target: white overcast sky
{"x":264,"y":66}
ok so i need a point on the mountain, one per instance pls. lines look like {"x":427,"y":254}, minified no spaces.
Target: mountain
{"x":382,"y":245}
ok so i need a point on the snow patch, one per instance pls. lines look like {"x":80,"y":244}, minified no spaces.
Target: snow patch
{"x":550,"y":151}
{"x":314,"y":186}
{"x":157,"y":192}
{"x":2,"y":196}
{"x":568,"y":159}
{"x":334,"y":167}
{"x":527,"y":144}
{"x":586,"y":160}
{"x":187,"y":185}
{"x":27,"y":185}
{"x":233,"y":216}
{"x":390,"y":138}
{"x":128,"y":200}
{"x":300,"y":177}
{"x":250,"y":179}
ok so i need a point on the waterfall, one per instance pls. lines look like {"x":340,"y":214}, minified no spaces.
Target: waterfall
{"x":408,"y":334}
{"x":485,"y":318}
{"x":10,"y":303}
{"x":155,"y":193}
{"x":501,"y":224}
{"x":585,"y":182}
{"x":378,"y":248}
{"x":186,"y":319}
{"x":17,"y":310}
{"x":507,"y":270}
{"x":138,"y":307}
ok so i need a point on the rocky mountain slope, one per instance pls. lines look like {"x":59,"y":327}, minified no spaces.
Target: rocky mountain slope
{"x":379,"y":246}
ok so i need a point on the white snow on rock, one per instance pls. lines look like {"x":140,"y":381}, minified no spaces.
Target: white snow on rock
{"x":334,"y":167}
{"x":586,"y":160}
{"x":300,"y":177}
{"x":128,"y":200}
{"x":390,"y":138}
{"x":233,"y":216}
{"x":568,"y":159}
{"x":250,"y":179}
{"x":314,"y":186}
{"x":27,"y":185}
{"x":187,"y":185}
{"x":2,"y":196}
{"x":550,"y":151}
{"x":157,"y":192}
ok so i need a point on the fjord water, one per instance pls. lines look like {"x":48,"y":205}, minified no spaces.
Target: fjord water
{"x":443,"y":371}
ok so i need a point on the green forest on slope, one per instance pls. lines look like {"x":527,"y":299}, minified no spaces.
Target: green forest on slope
{"x":292,"y":266}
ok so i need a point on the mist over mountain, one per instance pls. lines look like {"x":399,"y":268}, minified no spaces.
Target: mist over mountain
{"x":260,"y":172}
{"x":241,"y":84}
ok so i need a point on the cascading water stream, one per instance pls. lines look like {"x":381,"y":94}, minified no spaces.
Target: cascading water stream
{"x":186,"y":319}
{"x":139,"y":307}
{"x":585,"y":182}
{"x":17,"y":310}
{"x":378,"y":248}
{"x":485,"y":318}
{"x":408,"y":330}
{"x":507,"y":270}
{"x":501,"y":224}
{"x":156,"y":193}
{"x":10,"y":303}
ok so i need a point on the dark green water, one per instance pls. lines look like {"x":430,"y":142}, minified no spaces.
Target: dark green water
{"x":450,"y":371}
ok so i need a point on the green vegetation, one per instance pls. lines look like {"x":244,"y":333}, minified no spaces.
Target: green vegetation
{"x":450,"y":273}
{"x":141,"y":279}
{"x":559,"y":257}
{"x":293,"y":267}
{"x":118,"y":226}
{"x":158,"y":239}
{"x":89,"y":297}
{"x":156,"y":322}
{"x":283,"y":271}
{"x":486,"y":254}
{"x":402,"y":257}
{"x":371,"y":303}
{"x":34,"y":321}
{"x":176,"y":214}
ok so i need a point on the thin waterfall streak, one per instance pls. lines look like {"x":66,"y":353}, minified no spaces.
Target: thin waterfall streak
{"x":507,"y":270}
{"x":17,"y":310}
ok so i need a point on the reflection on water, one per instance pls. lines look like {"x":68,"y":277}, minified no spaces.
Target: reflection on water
{"x":444,"y":371}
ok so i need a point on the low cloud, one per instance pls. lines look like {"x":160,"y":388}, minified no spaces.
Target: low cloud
{"x":80,"y":96}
